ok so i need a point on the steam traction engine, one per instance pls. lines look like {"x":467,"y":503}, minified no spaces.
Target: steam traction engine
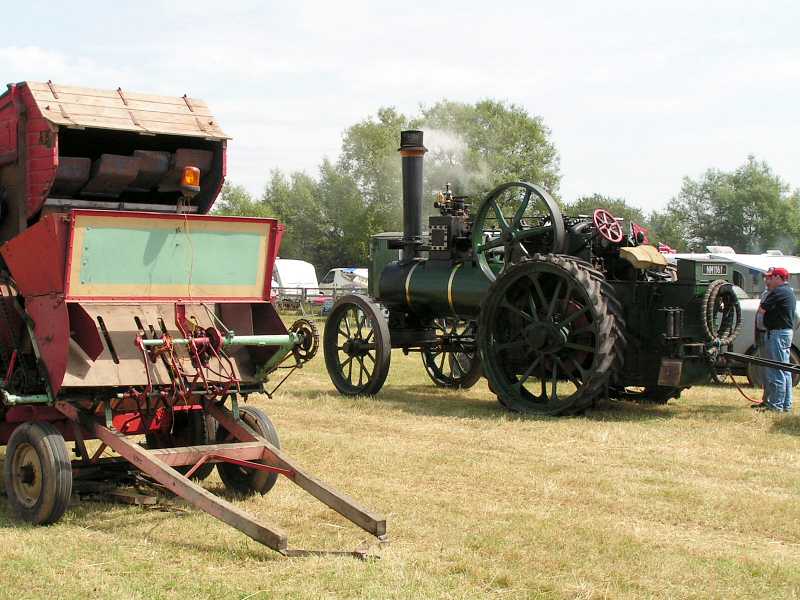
{"x":558,"y":311}
{"x":128,"y":310}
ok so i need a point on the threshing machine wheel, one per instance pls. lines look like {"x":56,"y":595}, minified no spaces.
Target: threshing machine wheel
{"x":357,"y":346}
{"x":38,"y":474}
{"x":454,"y":363}
{"x":548,"y":336}
{"x":242,"y":480}
{"x":722,"y":313}
{"x":189,"y":428}
{"x":519,"y":219}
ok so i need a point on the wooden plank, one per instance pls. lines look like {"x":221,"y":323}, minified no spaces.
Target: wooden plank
{"x":86,"y":107}
{"x":43,"y":90}
{"x":112,"y":205}
{"x":127,"y":124}
{"x":169,"y":105}
{"x":328,"y":495}
{"x":189,"y":455}
{"x":77,"y":112}
{"x":74,"y":103}
{"x":193,"y":493}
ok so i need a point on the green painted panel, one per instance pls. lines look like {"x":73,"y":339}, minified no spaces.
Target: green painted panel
{"x":120,"y":255}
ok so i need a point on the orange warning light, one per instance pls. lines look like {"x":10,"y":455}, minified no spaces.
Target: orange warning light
{"x":190,"y":181}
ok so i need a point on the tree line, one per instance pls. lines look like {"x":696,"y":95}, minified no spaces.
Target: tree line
{"x":330,"y":216}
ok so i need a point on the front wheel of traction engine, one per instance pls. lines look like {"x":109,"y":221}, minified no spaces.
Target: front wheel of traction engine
{"x":37,"y":473}
{"x":241,"y":480}
{"x":548,"y":336}
{"x":357,"y":346}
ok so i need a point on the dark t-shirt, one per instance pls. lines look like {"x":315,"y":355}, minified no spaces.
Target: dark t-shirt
{"x":779,"y":306}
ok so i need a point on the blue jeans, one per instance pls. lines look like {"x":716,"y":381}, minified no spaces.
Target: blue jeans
{"x":778,"y":384}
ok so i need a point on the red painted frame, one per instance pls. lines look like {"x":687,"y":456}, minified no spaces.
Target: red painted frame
{"x":273,"y":239}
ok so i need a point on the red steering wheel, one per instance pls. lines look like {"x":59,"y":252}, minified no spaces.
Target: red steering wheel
{"x":607,"y":225}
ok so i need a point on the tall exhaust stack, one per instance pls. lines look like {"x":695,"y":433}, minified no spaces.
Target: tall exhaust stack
{"x":412,"y":152}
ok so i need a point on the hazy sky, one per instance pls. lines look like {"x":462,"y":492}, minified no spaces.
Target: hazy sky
{"x":637,"y":95}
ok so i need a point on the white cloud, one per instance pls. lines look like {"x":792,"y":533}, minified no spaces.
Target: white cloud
{"x":33,"y":63}
{"x":637,"y":94}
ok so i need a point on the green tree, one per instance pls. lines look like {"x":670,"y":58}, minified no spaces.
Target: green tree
{"x":369,"y":156}
{"x":295,"y":202}
{"x":664,"y":228}
{"x":489,"y":143}
{"x":750,"y":209}
{"x":236,"y":200}
{"x":585,"y":205}
{"x":348,"y":223}
{"x":472,"y":146}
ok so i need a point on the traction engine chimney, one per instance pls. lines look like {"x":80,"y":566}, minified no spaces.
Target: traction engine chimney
{"x":412,"y":152}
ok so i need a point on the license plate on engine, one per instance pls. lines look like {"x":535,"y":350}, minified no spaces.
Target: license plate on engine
{"x":715,"y":269}
{"x":670,"y":372}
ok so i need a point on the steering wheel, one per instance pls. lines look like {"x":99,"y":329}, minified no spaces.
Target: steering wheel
{"x":607,"y":225}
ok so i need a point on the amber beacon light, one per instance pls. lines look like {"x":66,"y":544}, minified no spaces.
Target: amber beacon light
{"x":190,"y":181}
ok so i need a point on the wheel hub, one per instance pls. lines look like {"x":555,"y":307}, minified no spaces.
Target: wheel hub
{"x":545,"y":337}
{"x":355,"y":347}
{"x":27,"y":470}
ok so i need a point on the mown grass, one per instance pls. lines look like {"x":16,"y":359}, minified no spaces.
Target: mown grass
{"x":696,"y":499}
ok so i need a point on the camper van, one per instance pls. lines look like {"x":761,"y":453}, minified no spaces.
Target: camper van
{"x":350,"y":279}
{"x":295,"y":282}
{"x":294,"y":276}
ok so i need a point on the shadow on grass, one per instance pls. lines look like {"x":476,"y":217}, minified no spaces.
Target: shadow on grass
{"x":789,"y":425}
{"x":126,"y":523}
{"x":432,"y":401}
{"x":695,"y":409}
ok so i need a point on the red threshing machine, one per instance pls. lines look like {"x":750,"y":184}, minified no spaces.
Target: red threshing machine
{"x":127,"y":310}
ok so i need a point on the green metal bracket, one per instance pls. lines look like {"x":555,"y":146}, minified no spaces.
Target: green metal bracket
{"x":14,"y":400}
{"x":290,"y":339}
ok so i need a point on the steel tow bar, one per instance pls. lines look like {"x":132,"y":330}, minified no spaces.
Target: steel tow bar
{"x":761,"y":362}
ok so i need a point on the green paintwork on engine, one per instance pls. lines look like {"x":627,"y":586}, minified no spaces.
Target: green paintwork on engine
{"x":169,"y":256}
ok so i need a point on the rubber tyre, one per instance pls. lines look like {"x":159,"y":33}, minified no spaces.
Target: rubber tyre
{"x":383,"y":346}
{"x":608,"y":341}
{"x":191,"y":428}
{"x":242,"y":481}
{"x":36,"y":451}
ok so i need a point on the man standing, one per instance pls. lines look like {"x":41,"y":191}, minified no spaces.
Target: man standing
{"x":778,"y":309}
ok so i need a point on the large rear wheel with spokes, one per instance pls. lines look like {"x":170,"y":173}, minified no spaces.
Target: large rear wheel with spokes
{"x":547,"y":336}
{"x":357,"y":346}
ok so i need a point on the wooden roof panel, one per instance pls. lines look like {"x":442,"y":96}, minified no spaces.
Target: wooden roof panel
{"x":119,"y":109}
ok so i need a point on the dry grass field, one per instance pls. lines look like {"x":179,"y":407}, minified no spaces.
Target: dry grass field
{"x":696,"y":499}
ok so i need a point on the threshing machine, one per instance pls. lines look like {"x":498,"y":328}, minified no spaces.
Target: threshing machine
{"x":128,"y":310}
{"x":557,"y":311}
